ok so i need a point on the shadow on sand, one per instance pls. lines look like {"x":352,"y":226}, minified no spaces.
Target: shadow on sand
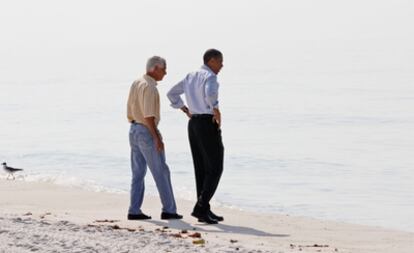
{"x":216,"y":228}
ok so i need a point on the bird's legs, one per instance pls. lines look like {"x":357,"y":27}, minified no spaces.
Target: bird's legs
{"x":10,"y":174}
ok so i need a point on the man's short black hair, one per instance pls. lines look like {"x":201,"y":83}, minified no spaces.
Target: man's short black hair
{"x":211,"y":53}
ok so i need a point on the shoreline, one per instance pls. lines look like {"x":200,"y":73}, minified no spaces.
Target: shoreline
{"x":99,"y":188}
{"x":242,"y":231}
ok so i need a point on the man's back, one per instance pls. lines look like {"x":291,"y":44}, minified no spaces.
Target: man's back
{"x":143,"y":100}
{"x":200,"y":89}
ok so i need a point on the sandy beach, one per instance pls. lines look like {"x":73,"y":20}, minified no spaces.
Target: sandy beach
{"x":42,"y":217}
{"x":317,"y":115}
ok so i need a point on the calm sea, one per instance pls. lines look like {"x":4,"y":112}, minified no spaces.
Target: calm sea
{"x":333,"y":143}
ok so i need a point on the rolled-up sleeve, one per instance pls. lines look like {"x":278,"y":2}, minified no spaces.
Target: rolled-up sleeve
{"x":211,"y":91}
{"x":174,"y":95}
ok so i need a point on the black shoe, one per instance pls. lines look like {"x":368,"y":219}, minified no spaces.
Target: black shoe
{"x":170,"y":216}
{"x":214,"y":216}
{"x":140,"y":216}
{"x":204,"y":218}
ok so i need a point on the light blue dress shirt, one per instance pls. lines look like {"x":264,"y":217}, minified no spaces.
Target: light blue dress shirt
{"x":200,"y":89}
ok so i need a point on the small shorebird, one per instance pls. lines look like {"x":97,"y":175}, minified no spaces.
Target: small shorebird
{"x":10,"y":170}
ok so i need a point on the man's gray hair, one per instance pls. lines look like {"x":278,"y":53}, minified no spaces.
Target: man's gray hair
{"x":154,"y":62}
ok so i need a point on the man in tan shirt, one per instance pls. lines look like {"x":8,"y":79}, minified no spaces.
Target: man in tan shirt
{"x":147,"y":148}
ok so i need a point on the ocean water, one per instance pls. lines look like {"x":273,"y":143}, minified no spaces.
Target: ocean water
{"x":317,"y":99}
{"x":333,"y":145}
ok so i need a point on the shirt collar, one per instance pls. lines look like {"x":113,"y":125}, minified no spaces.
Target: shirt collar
{"x":205,"y":67}
{"x":149,"y":79}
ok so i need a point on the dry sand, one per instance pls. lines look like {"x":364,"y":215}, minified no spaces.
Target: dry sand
{"x":41,"y":217}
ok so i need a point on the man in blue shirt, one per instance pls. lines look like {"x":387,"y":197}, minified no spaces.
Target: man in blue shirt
{"x":201,"y":93}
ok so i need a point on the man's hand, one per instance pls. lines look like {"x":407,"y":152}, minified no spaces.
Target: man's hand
{"x":159,"y":145}
{"x":217,"y":116}
{"x":186,"y":111}
{"x":150,"y":124}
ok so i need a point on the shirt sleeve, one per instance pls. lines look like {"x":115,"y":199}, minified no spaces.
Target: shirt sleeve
{"x":174,"y":95}
{"x":211,"y":91}
{"x":151,"y":98}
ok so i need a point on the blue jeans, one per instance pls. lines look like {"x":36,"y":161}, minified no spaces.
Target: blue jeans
{"x":143,"y":153}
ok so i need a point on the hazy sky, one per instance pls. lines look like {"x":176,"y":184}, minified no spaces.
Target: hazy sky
{"x":74,"y":39}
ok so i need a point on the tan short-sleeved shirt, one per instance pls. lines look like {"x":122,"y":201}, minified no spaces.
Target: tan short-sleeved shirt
{"x":143,"y":100}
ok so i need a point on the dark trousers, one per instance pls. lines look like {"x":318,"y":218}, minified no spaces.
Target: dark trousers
{"x":208,"y":153}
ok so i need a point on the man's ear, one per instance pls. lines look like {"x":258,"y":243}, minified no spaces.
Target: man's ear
{"x":211,"y":61}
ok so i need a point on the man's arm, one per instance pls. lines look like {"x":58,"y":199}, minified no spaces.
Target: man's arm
{"x":211,"y":91}
{"x":150,"y":123}
{"x":174,"y":95}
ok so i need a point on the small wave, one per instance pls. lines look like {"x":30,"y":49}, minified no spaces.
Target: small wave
{"x":73,"y":182}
